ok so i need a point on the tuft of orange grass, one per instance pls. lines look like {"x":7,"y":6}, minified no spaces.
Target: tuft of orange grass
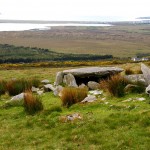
{"x":114,"y":85}
{"x":32,"y":103}
{"x":70,"y":95}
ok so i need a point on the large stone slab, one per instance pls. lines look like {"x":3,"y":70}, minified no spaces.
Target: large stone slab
{"x":93,"y":71}
{"x":146,"y":73}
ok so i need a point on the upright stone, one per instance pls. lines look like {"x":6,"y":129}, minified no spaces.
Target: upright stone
{"x":146,"y":73}
{"x":59,"y":78}
{"x":69,"y":80}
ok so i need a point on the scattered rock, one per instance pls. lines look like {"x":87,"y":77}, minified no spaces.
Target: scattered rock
{"x":39,"y":92}
{"x":49,"y":87}
{"x":34,"y":89}
{"x":140,"y":99}
{"x":135,"y":99}
{"x":93,"y":85}
{"x":89,"y":99}
{"x":106,"y":103}
{"x":71,"y":117}
{"x":128,"y":100}
{"x":59,"y":78}
{"x":103,"y":99}
{"x":146,"y":73}
{"x":17,"y":100}
{"x":95,"y":92}
{"x":69,"y":80}
{"x":45,"y":81}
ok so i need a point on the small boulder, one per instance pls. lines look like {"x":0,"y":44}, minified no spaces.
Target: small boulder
{"x":17,"y":100}
{"x":49,"y":87}
{"x":45,"y":81}
{"x":39,"y":92}
{"x":89,"y":99}
{"x":34,"y":89}
{"x":83,"y":86}
{"x":93,"y":85}
{"x":96,"y":92}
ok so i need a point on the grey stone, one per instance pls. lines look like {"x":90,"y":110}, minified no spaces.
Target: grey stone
{"x":59,"y":78}
{"x":93,"y":85}
{"x":140,"y":99}
{"x":136,"y":78}
{"x":49,"y":87}
{"x":146,"y":73}
{"x":34,"y":89}
{"x":95,"y":71}
{"x":96,"y":92}
{"x":83,"y":86}
{"x":17,"y":100}
{"x":45,"y":81}
{"x":69,"y":80}
{"x":89,"y":99}
{"x":39,"y":92}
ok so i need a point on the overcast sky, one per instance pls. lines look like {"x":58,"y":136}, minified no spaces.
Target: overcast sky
{"x":72,"y":9}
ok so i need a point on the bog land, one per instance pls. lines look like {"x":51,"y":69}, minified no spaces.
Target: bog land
{"x":119,"y":40}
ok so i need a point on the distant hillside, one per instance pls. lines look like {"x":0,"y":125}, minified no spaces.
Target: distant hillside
{"x":18,"y":54}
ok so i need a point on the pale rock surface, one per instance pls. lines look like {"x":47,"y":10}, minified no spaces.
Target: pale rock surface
{"x":89,"y":99}
{"x":93,"y":85}
{"x":69,"y":80}
{"x":59,"y":78}
{"x":45,"y":81}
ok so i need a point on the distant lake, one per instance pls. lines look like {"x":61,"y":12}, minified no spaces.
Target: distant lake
{"x":29,"y":26}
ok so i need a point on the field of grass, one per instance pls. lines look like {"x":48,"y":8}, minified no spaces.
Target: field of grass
{"x":119,"y":40}
{"x":110,"y":124}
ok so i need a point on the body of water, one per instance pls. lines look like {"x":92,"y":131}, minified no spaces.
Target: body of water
{"x":28,"y":26}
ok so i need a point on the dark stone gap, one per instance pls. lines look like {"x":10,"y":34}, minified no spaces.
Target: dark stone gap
{"x":85,"y":80}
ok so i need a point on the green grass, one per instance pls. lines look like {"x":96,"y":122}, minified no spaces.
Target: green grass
{"x":104,"y":126}
{"x":111,"y":126}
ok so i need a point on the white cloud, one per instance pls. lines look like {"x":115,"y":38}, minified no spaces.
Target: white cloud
{"x":57,"y":9}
